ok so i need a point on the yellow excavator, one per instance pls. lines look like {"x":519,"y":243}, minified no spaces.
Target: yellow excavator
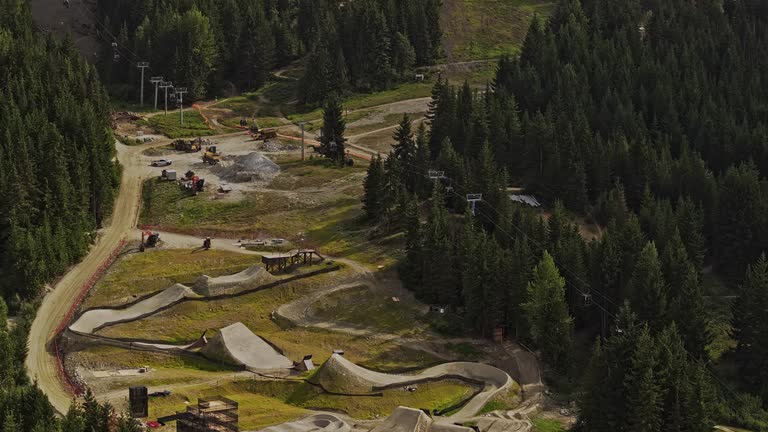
{"x":211,"y":156}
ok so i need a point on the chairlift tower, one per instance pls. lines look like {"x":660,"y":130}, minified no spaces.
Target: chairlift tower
{"x":165,"y":85}
{"x":472,"y":199}
{"x":436,"y":175}
{"x":180,"y":94}
{"x":156,"y":80}
{"x":142,"y":66}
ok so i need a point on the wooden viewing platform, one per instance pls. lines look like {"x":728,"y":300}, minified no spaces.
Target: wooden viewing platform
{"x":282,"y":261}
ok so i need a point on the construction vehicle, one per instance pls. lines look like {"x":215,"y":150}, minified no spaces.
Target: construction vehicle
{"x":263,"y":134}
{"x":148,"y":240}
{"x":193,"y":185}
{"x":211,"y":156}
{"x":191,"y":146}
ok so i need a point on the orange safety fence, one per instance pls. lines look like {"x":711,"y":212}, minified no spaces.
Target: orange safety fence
{"x":74,"y":388}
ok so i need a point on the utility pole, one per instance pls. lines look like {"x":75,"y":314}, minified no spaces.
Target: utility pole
{"x":301,"y":125}
{"x":156,"y":81}
{"x":165,"y":85}
{"x":180,"y":94}
{"x":142,"y":66}
{"x":473,"y":199}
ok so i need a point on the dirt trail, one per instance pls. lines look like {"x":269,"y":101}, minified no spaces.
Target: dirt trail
{"x":41,"y":363}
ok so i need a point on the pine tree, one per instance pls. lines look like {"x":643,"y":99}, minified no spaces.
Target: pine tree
{"x":438,"y":255}
{"x":374,"y":186}
{"x":332,"y":141}
{"x":689,"y":310}
{"x":10,"y":424}
{"x":647,"y":288}
{"x":410,"y":268}
{"x":643,"y":393}
{"x":547,"y":312}
{"x":751,"y":324}
{"x":422,"y":162}
{"x":404,"y":149}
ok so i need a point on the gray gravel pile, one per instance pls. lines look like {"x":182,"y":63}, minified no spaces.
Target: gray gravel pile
{"x":252,"y":167}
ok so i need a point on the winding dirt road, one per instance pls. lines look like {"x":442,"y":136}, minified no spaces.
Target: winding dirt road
{"x":41,"y":361}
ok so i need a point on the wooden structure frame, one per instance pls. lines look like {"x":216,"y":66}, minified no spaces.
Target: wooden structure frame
{"x":284,"y":261}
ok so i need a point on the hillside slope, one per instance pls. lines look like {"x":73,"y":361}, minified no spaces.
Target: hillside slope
{"x":482,"y":29}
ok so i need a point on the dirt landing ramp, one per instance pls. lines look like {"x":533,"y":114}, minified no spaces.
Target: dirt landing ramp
{"x":210,"y":286}
{"x":314,"y":423}
{"x":94,"y":319}
{"x":238,"y":345}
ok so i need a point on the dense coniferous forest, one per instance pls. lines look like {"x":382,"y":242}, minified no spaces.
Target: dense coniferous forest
{"x":647,"y":118}
{"x":213,"y":46}
{"x":57,"y":173}
{"x":58,"y":178}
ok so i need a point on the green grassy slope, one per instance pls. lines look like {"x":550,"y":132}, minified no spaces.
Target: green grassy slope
{"x":482,"y":29}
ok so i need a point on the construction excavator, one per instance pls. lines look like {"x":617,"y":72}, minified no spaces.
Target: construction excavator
{"x":211,"y":156}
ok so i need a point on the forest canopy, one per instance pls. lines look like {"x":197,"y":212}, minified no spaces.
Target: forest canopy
{"x":646,"y":119}
{"x":57,"y":169}
{"x":212,"y":46}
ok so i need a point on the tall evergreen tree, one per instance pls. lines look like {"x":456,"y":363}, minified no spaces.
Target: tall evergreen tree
{"x":751,"y":324}
{"x":438,"y":284}
{"x":547,"y":312}
{"x":332,"y":141}
{"x":647,"y":288}
{"x":374,"y":186}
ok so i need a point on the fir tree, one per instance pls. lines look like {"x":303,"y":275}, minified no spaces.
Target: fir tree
{"x":643,"y":392}
{"x":437,"y":281}
{"x":332,"y":141}
{"x":751,"y":324}
{"x":647,"y":288}
{"x":374,"y":186}
{"x":547,"y":312}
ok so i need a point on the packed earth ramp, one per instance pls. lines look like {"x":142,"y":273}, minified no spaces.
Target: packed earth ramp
{"x":238,"y":345}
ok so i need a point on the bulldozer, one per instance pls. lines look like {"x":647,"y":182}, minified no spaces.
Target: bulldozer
{"x":211,"y":156}
{"x":263,"y":134}
{"x":191,"y":146}
{"x":187,"y":146}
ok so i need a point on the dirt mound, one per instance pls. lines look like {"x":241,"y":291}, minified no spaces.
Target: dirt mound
{"x":238,"y":345}
{"x":252,"y":167}
{"x":210,"y":286}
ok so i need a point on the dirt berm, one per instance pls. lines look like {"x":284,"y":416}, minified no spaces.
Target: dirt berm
{"x":94,"y":319}
{"x":340,"y":375}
